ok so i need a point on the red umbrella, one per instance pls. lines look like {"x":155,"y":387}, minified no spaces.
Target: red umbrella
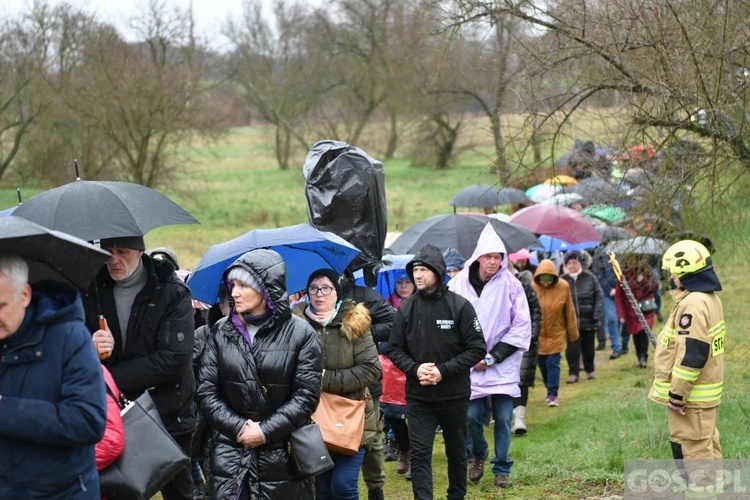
{"x":556,"y":221}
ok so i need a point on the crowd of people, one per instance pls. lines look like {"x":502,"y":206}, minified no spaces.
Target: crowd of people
{"x":449,"y":352}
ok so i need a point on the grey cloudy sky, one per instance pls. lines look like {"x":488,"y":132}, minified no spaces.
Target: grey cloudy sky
{"x":210,"y":15}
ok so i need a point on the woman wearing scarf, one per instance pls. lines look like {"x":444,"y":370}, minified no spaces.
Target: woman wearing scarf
{"x":350,"y":365}
{"x":258,"y":381}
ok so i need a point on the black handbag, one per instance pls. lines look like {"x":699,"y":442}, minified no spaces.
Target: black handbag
{"x":647,"y":305}
{"x":151,"y":456}
{"x":309,"y":452}
{"x":305,"y":444}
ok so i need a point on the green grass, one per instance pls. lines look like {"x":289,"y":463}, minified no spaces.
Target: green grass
{"x":574,"y":451}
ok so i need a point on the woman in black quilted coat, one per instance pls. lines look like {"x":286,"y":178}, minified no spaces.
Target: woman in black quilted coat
{"x":259,"y":380}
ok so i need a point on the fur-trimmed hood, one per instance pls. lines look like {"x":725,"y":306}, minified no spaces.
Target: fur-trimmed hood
{"x":354,"y":319}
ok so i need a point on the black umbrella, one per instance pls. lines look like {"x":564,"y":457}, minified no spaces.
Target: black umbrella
{"x":610,"y":232}
{"x":513,"y":195}
{"x":479,"y":196}
{"x":462,"y":233}
{"x":93,"y":210}
{"x":596,"y":190}
{"x":51,"y":254}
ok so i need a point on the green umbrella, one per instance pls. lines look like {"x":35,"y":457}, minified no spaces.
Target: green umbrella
{"x":605,"y":213}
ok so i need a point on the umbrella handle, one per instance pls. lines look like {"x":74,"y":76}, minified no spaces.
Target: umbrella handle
{"x":102,"y":326}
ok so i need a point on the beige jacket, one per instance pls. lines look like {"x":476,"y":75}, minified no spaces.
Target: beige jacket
{"x":689,"y":359}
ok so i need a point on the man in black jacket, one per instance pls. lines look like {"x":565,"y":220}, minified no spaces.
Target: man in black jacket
{"x":148,"y":339}
{"x":435,"y":340}
{"x":589,"y":303}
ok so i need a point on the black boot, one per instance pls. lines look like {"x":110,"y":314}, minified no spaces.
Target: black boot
{"x":375,"y":494}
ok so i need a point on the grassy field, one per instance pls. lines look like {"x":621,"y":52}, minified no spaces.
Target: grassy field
{"x":574,"y":451}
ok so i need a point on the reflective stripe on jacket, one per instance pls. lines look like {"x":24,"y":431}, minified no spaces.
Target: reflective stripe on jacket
{"x":689,"y":359}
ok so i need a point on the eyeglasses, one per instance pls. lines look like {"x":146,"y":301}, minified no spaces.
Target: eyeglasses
{"x":325,"y":290}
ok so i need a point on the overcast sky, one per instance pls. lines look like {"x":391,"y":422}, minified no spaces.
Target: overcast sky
{"x":210,"y":15}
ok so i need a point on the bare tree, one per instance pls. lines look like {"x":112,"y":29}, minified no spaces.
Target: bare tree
{"x":274,"y":72}
{"x":121,"y":109}
{"x":680,"y":70}
{"x":22,"y":97}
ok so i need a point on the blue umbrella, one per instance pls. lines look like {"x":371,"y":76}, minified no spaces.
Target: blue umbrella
{"x":550,"y":244}
{"x":303,"y":248}
{"x":393,"y":266}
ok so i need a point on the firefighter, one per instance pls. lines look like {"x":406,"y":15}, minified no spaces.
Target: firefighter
{"x":689,"y":363}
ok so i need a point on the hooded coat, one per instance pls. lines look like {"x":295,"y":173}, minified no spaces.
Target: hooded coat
{"x":559,"y":322}
{"x":503,"y":312}
{"x":276,"y":383}
{"x":350,"y":358}
{"x":53,"y":407}
{"x":439,"y":327}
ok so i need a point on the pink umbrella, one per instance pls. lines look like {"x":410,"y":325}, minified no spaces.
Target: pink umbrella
{"x":556,"y":221}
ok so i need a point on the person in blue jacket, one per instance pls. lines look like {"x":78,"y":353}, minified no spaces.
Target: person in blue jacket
{"x":52,"y":397}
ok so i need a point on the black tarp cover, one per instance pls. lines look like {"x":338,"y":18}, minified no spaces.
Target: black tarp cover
{"x":345,"y":195}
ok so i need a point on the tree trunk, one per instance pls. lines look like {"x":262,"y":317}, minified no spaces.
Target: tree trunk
{"x":390,"y":150}
{"x":282,"y":147}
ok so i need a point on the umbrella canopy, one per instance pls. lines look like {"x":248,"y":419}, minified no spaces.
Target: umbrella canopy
{"x":558,"y":222}
{"x":510,"y":195}
{"x":479,"y":196}
{"x":562,"y":199}
{"x":7,"y":212}
{"x":610,"y":233}
{"x":93,"y":210}
{"x":393,"y":266}
{"x":550,"y":244}
{"x":303,"y":248}
{"x":605,"y":213}
{"x":597,"y":190}
{"x":642,"y":245}
{"x":51,"y":254}
{"x":184,"y":274}
{"x":460,"y":232}
{"x":541,"y":192}
{"x":561,"y":180}
{"x":499,"y":216}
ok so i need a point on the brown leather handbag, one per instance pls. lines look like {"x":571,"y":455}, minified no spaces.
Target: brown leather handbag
{"x":341,"y":421}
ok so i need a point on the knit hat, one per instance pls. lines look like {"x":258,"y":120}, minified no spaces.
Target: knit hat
{"x":238,"y":273}
{"x":572,"y":255}
{"x":402,"y":276}
{"x":132,"y":242}
{"x":331,"y":275}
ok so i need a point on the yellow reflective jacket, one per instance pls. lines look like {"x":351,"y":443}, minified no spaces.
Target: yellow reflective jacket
{"x":689,"y":359}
